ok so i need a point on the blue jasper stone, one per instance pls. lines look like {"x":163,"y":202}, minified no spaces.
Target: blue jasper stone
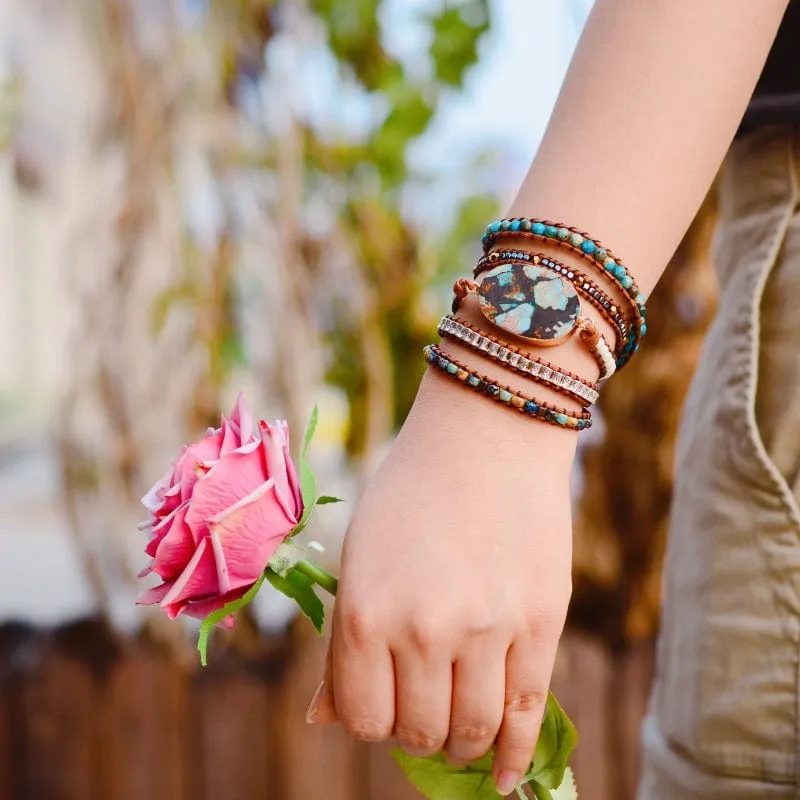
{"x":549,"y":414}
{"x":551,"y":231}
{"x":581,"y":424}
{"x":609,"y":265}
{"x":576,"y":240}
{"x":619,"y":272}
{"x":514,"y":226}
{"x":538,"y":228}
{"x":441,"y":362}
{"x":473,"y":380}
{"x":642,"y":329}
{"x":561,"y":419}
{"x":505,"y":395}
{"x":641,"y":299}
{"x":492,"y":390}
{"x":452,"y":368}
{"x":601,"y":254}
{"x":531,"y":407}
{"x":588,"y":246}
{"x":494,"y":226}
{"x":529,"y":300}
{"x":627,"y":282}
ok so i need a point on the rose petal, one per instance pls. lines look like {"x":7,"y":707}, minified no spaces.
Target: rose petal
{"x":249,"y":532}
{"x":230,"y":440}
{"x":197,"y":581}
{"x":233,"y":477}
{"x":150,"y":597}
{"x":159,"y":531}
{"x":176,"y":547}
{"x":200,"y":609}
{"x":272,"y":442}
{"x":155,"y":495}
{"x":192,"y":465}
{"x":243,"y":419}
{"x":291,"y":473}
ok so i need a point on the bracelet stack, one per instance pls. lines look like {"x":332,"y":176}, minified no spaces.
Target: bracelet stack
{"x":531,"y":301}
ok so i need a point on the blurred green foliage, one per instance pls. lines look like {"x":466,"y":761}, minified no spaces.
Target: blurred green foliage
{"x":395,"y":261}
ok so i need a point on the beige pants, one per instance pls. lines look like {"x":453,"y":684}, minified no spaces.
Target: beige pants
{"x":724,"y":713}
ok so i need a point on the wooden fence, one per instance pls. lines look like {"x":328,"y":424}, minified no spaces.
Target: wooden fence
{"x":85,"y":715}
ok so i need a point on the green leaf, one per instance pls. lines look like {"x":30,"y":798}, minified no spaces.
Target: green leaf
{"x":217,"y":616}
{"x":567,"y":790}
{"x":326,"y":499}
{"x":557,"y":740}
{"x":308,"y":481}
{"x":301,"y":589}
{"x":438,"y":780}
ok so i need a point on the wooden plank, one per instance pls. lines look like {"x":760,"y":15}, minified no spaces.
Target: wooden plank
{"x":321,"y":761}
{"x":385,"y":780}
{"x":147,"y":721}
{"x":52,"y":711}
{"x":234,"y":757}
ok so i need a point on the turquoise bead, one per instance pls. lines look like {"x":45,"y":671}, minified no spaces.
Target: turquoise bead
{"x":538,"y":228}
{"x":563,"y":234}
{"x":473,"y":380}
{"x":514,"y":226}
{"x":588,"y":246}
{"x":641,"y":299}
{"x":505,"y":396}
{"x":525,"y":224}
{"x":627,"y":282}
{"x":452,"y":368}
{"x":619,"y":271}
{"x":609,"y":264}
{"x":561,"y":419}
{"x":504,"y":224}
{"x":551,"y":231}
{"x":495,"y":226}
{"x":642,"y":329}
{"x":531,"y":407}
{"x":576,"y":240}
{"x":601,"y":254}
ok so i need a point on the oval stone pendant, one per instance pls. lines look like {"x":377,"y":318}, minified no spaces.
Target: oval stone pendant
{"x":530,"y":301}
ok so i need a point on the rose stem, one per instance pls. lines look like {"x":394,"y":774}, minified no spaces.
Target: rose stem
{"x":318,"y":575}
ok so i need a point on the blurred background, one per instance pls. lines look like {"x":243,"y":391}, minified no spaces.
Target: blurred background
{"x":198,"y":196}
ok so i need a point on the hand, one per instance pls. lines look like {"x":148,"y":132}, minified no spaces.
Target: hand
{"x":455,"y":583}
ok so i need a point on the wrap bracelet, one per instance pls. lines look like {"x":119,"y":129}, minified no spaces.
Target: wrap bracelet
{"x":529,"y":406}
{"x":590,"y":290}
{"x":503,"y":352}
{"x":586,"y":329}
{"x":590,"y":250}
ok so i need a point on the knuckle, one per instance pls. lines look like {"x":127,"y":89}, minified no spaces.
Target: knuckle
{"x":368,"y":730}
{"x":426,"y":635}
{"x":525,"y":701}
{"x":357,"y":625}
{"x":418,"y":740}
{"x":472,"y":732}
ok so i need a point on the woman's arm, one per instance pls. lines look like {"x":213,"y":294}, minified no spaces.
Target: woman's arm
{"x":456,"y":568}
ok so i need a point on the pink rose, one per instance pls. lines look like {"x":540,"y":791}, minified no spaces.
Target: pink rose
{"x":219,"y":515}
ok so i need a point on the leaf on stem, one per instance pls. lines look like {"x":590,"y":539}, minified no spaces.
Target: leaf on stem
{"x":438,"y":780}
{"x":557,"y":740}
{"x":567,"y":790}
{"x":308,"y":481}
{"x":326,"y":499}
{"x":300,"y":588}
{"x":217,"y":616}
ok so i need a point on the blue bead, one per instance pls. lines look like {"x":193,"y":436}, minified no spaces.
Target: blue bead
{"x":561,"y":419}
{"x":551,"y":231}
{"x":619,"y":271}
{"x":525,"y":225}
{"x":495,"y":226}
{"x":626,"y":282}
{"x":452,"y":368}
{"x":473,"y":380}
{"x":601,"y":254}
{"x":609,"y":264}
{"x":531,"y":407}
{"x":505,"y":395}
{"x":514,"y":226}
{"x":492,"y":390}
{"x":504,"y":224}
{"x":563,"y":234}
{"x":640,"y":298}
{"x":538,"y":228}
{"x":588,"y":246}
{"x":642,"y":329}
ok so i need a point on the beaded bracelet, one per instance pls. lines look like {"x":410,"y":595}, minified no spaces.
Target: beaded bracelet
{"x":481,"y":383}
{"x":501,"y":351}
{"x":593,"y":293}
{"x":592,"y":338}
{"x":587,"y":248}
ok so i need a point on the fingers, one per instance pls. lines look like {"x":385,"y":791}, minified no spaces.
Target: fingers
{"x":322,"y":710}
{"x":529,"y":665}
{"x":363,"y":677}
{"x":479,"y":677}
{"x":424,"y":687}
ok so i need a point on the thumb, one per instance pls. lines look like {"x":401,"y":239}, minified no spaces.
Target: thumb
{"x":322,"y":710}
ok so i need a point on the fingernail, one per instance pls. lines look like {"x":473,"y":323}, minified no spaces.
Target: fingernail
{"x":311,"y":714}
{"x":506,"y":781}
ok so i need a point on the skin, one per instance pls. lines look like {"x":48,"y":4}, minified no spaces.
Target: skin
{"x":456,"y":567}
